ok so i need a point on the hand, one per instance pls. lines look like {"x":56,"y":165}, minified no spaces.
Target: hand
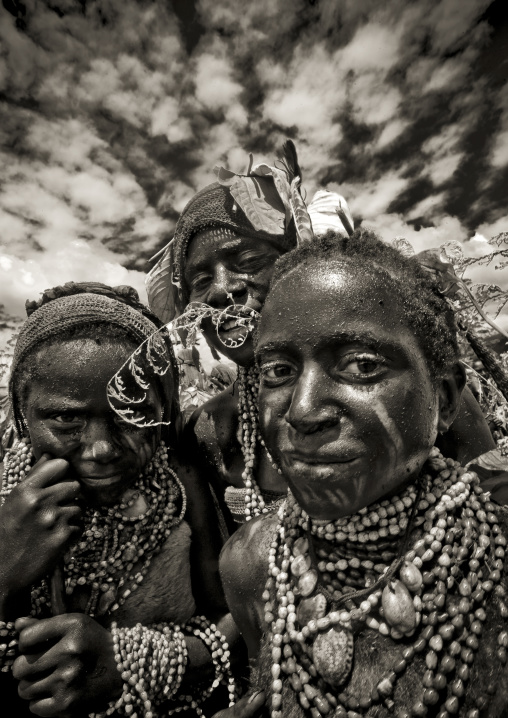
{"x":247,"y":707}
{"x":37,"y":522}
{"x":67,"y":666}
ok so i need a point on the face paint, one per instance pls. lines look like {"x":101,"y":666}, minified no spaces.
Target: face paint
{"x":222,"y":269}
{"x":343,"y":386}
{"x":68,"y":416}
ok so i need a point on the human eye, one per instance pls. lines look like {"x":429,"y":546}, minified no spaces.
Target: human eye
{"x":276,"y":373}
{"x":200,"y":283}
{"x":66,"y":423}
{"x":251,"y":262}
{"x":362,"y":365}
{"x":65,"y":419}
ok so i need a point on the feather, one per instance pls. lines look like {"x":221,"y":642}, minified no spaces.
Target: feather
{"x":300,"y":214}
{"x":290,"y":160}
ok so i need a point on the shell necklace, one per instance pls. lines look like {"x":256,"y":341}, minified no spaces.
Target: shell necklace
{"x":115,"y":550}
{"x":451,"y":560}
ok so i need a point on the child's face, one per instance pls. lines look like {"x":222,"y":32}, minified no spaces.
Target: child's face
{"x":347,"y":405}
{"x":68,"y":416}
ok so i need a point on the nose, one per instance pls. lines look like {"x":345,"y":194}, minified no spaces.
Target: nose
{"x":97,"y":442}
{"x":313,"y":407}
{"x":226,"y":284}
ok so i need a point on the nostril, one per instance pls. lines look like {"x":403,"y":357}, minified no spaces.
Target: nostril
{"x":311,"y":424}
{"x":101,"y":449}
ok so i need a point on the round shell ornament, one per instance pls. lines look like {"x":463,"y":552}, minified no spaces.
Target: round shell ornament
{"x":308,"y":582}
{"x":332,"y":654}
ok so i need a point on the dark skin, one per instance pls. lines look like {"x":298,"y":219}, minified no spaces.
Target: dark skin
{"x":87,"y":455}
{"x":220,"y":270}
{"x":348,"y":407}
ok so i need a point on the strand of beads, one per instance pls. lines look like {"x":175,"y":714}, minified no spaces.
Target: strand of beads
{"x":112,"y":545}
{"x":17,"y":463}
{"x":152,"y":663}
{"x":248,"y":387}
{"x":8,"y":645}
{"x":201,"y":628}
{"x":444,"y":584}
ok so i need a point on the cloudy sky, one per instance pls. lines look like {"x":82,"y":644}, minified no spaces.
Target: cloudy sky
{"x":114,"y":112}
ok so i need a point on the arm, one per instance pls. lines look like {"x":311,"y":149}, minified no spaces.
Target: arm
{"x":206,"y":582}
{"x":243,"y":567}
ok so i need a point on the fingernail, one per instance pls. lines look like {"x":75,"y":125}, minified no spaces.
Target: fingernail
{"x":254,"y":695}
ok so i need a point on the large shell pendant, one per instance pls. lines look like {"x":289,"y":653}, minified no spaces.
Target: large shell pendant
{"x":332,"y":654}
{"x":398,"y":608}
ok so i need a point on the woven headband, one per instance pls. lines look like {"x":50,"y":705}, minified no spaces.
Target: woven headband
{"x":60,"y":315}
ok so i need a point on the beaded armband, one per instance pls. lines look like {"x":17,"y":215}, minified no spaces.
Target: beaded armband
{"x":8,"y":645}
{"x":152,"y":662}
{"x":215,"y":641}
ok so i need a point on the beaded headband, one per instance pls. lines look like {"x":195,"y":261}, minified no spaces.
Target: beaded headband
{"x":64,"y":313}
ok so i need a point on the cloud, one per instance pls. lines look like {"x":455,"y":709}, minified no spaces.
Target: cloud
{"x":113,"y":114}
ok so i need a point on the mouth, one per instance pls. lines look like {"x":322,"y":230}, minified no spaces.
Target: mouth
{"x":102,"y":482}
{"x":317,"y":459}
{"x":235,"y":324}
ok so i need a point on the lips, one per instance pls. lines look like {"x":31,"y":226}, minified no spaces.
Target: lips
{"x":95,"y":482}
{"x":230,"y":325}
{"x":319,"y":459}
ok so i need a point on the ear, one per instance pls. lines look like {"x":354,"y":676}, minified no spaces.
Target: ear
{"x":449,"y":394}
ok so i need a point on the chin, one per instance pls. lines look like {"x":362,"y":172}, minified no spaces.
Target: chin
{"x":327,"y":491}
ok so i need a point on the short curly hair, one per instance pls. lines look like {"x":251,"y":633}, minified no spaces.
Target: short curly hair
{"x":427,"y":311}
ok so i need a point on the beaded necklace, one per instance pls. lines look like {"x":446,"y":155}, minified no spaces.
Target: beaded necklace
{"x":358,"y":576}
{"x":114,"y":552}
{"x":248,"y":389}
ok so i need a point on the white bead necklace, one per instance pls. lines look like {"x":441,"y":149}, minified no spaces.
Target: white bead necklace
{"x":452,"y":568}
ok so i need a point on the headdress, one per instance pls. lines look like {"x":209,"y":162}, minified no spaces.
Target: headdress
{"x":265,"y":203}
{"x":76,"y":305}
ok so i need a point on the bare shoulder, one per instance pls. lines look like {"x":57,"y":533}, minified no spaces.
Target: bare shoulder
{"x":246,"y":552}
{"x":243,"y":567}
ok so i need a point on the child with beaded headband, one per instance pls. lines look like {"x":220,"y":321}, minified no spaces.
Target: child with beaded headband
{"x":109,"y":549}
{"x":380,"y":587}
{"x":216,"y":271}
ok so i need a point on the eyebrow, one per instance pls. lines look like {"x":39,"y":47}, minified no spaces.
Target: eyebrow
{"x":228,"y":248}
{"x":368,"y":338}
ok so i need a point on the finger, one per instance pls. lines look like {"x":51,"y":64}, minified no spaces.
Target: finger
{"x":41,"y":634}
{"x":49,"y":472}
{"x":247,"y":707}
{"x":26,"y":667}
{"x":65,"y":492}
{"x":49,"y":708}
{"x":23,"y":622}
{"x":55,"y":684}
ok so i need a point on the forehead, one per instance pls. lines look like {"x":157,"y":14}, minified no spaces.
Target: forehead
{"x":78,"y":368}
{"x":219,"y":243}
{"x":323,"y":299}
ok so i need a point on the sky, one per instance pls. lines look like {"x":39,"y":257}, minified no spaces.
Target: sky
{"x":114,"y":112}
